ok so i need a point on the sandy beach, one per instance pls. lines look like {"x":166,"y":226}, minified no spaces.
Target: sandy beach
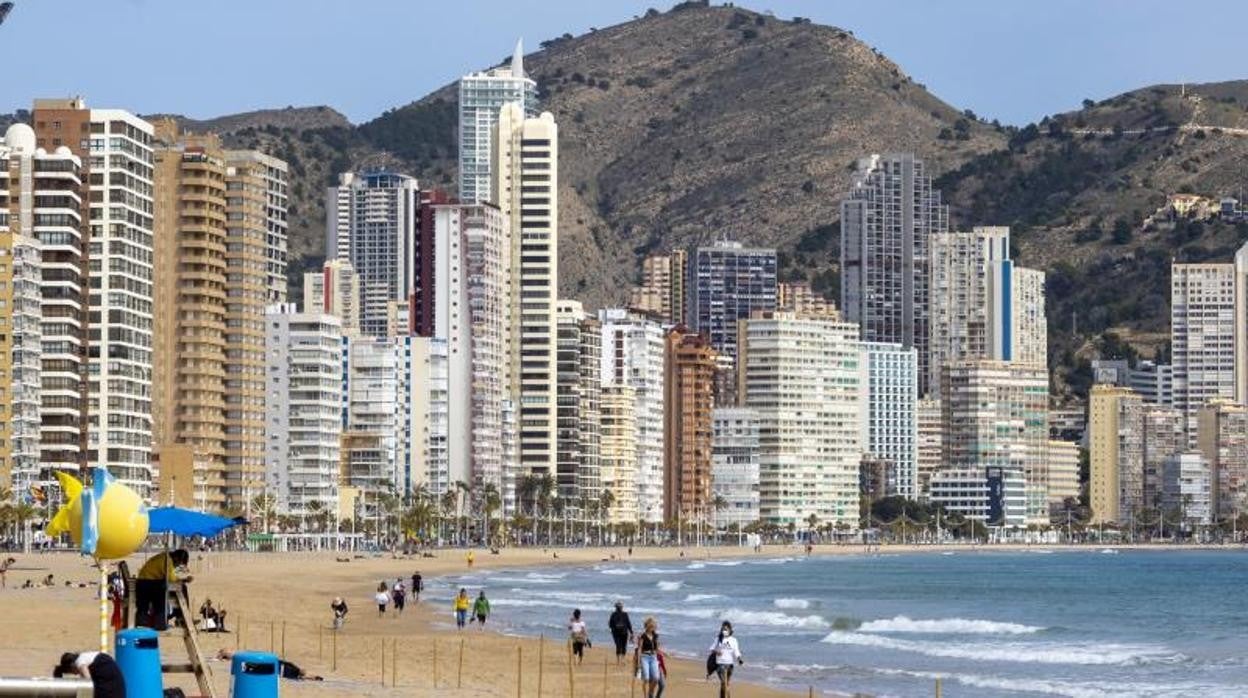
{"x":280,"y":602}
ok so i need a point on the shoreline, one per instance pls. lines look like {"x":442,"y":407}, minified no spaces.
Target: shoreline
{"x":281,"y":600}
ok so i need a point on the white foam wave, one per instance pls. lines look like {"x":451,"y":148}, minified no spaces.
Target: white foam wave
{"x":791,"y":603}
{"x":1076,"y":653}
{"x":946,"y":626}
{"x":694,"y":598}
{"x":666,"y":585}
{"x":503,"y":579}
{"x":632,"y":570}
{"x":725,"y":563}
{"x":1116,"y":689}
{"x":696,"y":565}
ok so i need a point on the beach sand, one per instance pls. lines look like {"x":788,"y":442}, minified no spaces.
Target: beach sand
{"x":280,"y":602}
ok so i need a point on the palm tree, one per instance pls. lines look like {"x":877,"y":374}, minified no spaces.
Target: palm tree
{"x":315,"y":508}
{"x":606,"y":500}
{"x":493,"y":502}
{"x":446,"y":505}
{"x":463,"y":504}
{"x":546,"y":492}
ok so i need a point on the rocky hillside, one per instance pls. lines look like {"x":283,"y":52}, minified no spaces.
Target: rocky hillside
{"x":1081,"y":191}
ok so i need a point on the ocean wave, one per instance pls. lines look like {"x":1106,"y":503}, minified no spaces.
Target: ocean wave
{"x":504,"y":579}
{"x":619,"y":571}
{"x":946,"y":626}
{"x":666,"y":585}
{"x":1080,"y":654}
{"x":696,"y":566}
{"x":1067,"y":689}
{"x":791,"y":603}
{"x":725,"y":563}
{"x":694,"y":598}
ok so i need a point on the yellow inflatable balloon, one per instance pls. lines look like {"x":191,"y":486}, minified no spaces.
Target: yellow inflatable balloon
{"x":122,"y":517}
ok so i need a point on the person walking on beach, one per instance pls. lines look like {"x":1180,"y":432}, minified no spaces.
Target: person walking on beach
{"x":471,"y":558}
{"x":621,"y":631}
{"x":727,"y":654}
{"x":339,"y":607}
{"x":646,"y":657}
{"x":461,"y":605}
{"x":417,"y":587}
{"x":382,"y":598}
{"x":481,"y":609}
{"x":578,"y":635}
{"x":4,"y":570}
{"x":399,"y":593}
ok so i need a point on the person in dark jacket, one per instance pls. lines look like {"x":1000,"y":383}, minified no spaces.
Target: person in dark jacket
{"x":621,"y":631}
{"x":105,"y":675}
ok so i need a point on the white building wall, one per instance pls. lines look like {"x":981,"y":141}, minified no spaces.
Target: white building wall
{"x":734,"y":467}
{"x":890,"y":431}
{"x":481,"y":97}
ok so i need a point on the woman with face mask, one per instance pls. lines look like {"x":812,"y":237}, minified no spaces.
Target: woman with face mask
{"x":727,"y":653}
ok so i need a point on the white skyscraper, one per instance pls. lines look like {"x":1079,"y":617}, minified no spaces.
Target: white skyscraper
{"x":303,"y":407}
{"x":633,"y":355}
{"x":1017,"y":326}
{"x":890,"y":379}
{"x":481,"y":98}
{"x":802,"y":377}
{"x":382,"y":211}
{"x":1204,"y":305}
{"x":526,"y":176}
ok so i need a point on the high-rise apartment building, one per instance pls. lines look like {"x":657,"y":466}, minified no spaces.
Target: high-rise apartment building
{"x":802,"y":377}
{"x":997,"y":496}
{"x":1222,"y":438}
{"x":372,"y":220}
{"x":633,"y":354}
{"x":734,"y":468}
{"x":1165,"y":434}
{"x":482,"y":96}
{"x":271,"y":177}
{"x":1017,"y":326}
{"x":1063,"y":473}
{"x":929,"y":455}
{"x":61,"y":229}
{"x":678,"y":299}
{"x":1186,"y":489}
{"x":304,"y":409}
{"x":890,"y":379}
{"x":798,"y":297}
{"x":654,"y":294}
{"x":996,"y":415}
{"x":526,"y":177}
{"x":618,"y":454}
{"x":689,"y":385}
{"x":727,"y":282}
{"x":117,"y":149}
{"x":29,"y":201}
{"x":189,"y":358}
{"x":473,"y":314}
{"x":334,"y":290}
{"x":886,"y":228}
{"x":1203,"y":320}
{"x":580,"y":386}
{"x":1116,"y":454}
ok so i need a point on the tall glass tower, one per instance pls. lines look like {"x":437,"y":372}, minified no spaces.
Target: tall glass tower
{"x":481,"y":97}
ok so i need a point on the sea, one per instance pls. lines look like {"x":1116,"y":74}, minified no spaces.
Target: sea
{"x":1095,"y":623}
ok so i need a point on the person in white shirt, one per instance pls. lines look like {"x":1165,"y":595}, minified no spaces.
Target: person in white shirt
{"x":578,"y":635}
{"x":727,"y":654}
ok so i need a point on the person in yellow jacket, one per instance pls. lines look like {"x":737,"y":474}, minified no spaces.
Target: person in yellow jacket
{"x":462,"y":604}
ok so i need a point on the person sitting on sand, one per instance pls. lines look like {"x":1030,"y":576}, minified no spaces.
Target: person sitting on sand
{"x":339,"y":607}
{"x":4,"y":570}
{"x":106,"y":678}
{"x":48,"y":581}
{"x":213,"y":617}
{"x":287,"y":670}
{"x":461,"y":605}
{"x":481,"y":609}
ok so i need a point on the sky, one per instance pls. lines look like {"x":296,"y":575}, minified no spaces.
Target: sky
{"x":1012,"y":60}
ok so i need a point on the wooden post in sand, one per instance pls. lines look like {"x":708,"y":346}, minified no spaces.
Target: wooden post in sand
{"x":435,"y":663}
{"x":283,"y":654}
{"x":459,"y":678}
{"x":604,"y":675}
{"x":519,"y":668}
{"x":383,"y":661}
{"x":272,"y":636}
{"x":334,"y":666}
{"x":937,"y":687}
{"x":238,"y":639}
{"x":571,"y":679}
{"x":394,"y":662}
{"x":320,"y":642}
{"x":541,"y":656}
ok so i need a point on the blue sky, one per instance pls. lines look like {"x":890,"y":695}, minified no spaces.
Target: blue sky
{"x":1013,"y":60}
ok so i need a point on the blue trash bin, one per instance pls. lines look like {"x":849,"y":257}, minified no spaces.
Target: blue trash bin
{"x":138,"y":657}
{"x":254,"y":675}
